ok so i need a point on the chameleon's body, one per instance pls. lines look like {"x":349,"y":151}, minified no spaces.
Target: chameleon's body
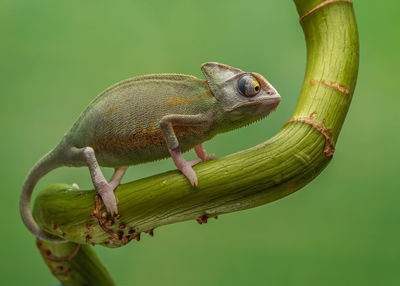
{"x":121,"y":137}
{"x":149,"y":118}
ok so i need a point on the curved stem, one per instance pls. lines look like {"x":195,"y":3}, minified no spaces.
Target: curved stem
{"x":259,"y":175}
{"x":74,"y":264}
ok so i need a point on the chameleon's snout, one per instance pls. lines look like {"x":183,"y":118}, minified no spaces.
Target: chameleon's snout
{"x":268,"y":95}
{"x":274,"y":97}
{"x":275,"y":100}
{"x":269,"y":103}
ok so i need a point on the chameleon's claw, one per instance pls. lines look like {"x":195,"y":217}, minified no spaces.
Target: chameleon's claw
{"x":210,"y":157}
{"x":190,"y":174}
{"x":109,"y":199}
{"x":193,"y":162}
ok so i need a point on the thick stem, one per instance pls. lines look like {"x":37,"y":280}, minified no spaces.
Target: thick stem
{"x":259,"y":175}
{"x":74,"y":264}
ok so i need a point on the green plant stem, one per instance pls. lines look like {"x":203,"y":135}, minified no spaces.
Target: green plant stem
{"x":74,"y":264}
{"x":259,"y":175}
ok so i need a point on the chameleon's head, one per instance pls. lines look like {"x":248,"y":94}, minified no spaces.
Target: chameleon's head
{"x":244,"y":96}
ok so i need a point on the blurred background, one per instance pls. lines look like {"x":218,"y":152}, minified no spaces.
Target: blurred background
{"x":341,"y":229}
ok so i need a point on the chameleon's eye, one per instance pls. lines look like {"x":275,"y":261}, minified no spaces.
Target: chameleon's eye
{"x":248,"y":86}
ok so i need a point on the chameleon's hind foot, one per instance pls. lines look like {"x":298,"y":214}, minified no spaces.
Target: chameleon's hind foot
{"x":107,"y":195}
{"x":188,"y":171}
{"x":104,"y":189}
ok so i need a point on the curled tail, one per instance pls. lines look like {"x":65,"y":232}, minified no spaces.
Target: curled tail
{"x":49,"y":162}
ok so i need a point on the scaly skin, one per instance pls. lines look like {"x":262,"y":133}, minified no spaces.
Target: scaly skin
{"x":122,"y":124}
{"x":149,"y":118}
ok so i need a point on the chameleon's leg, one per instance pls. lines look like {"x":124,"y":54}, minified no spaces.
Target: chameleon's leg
{"x":166,"y":125}
{"x":104,"y":189}
{"x":185,"y":166}
{"x":202,"y":154}
{"x":117,"y":176}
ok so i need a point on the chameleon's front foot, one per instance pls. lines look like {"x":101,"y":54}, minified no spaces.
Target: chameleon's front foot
{"x":186,"y":167}
{"x":202,"y":154}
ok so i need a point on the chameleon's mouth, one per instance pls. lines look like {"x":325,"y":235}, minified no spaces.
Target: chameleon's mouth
{"x":269,"y":104}
{"x":265,"y":105}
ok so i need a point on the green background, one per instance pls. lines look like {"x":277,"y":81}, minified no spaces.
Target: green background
{"x":341,"y":229}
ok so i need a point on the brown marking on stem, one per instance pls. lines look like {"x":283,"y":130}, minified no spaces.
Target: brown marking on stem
{"x":137,"y":237}
{"x":64,"y":234}
{"x":55,"y":227}
{"x":120,"y":234}
{"x":320,"y":5}
{"x":47,"y":253}
{"x":109,"y":223}
{"x":88,"y":238}
{"x":313,"y":115}
{"x":337,"y":86}
{"x":202,"y":219}
{"x":104,"y":222}
{"x":150,"y":232}
{"x":331,"y":84}
{"x":113,"y":242}
{"x":93,"y":213}
{"x":329,"y":149}
{"x":103,"y":218}
{"x":89,"y":227}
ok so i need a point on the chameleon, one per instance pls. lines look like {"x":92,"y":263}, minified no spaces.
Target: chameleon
{"x":152,"y":117}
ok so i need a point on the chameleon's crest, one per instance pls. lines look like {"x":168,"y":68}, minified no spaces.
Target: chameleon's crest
{"x":218,"y":73}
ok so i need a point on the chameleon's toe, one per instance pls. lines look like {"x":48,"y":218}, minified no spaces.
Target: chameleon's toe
{"x":109,"y":199}
{"x":190,"y":174}
{"x":193,"y":162}
{"x":210,"y":157}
